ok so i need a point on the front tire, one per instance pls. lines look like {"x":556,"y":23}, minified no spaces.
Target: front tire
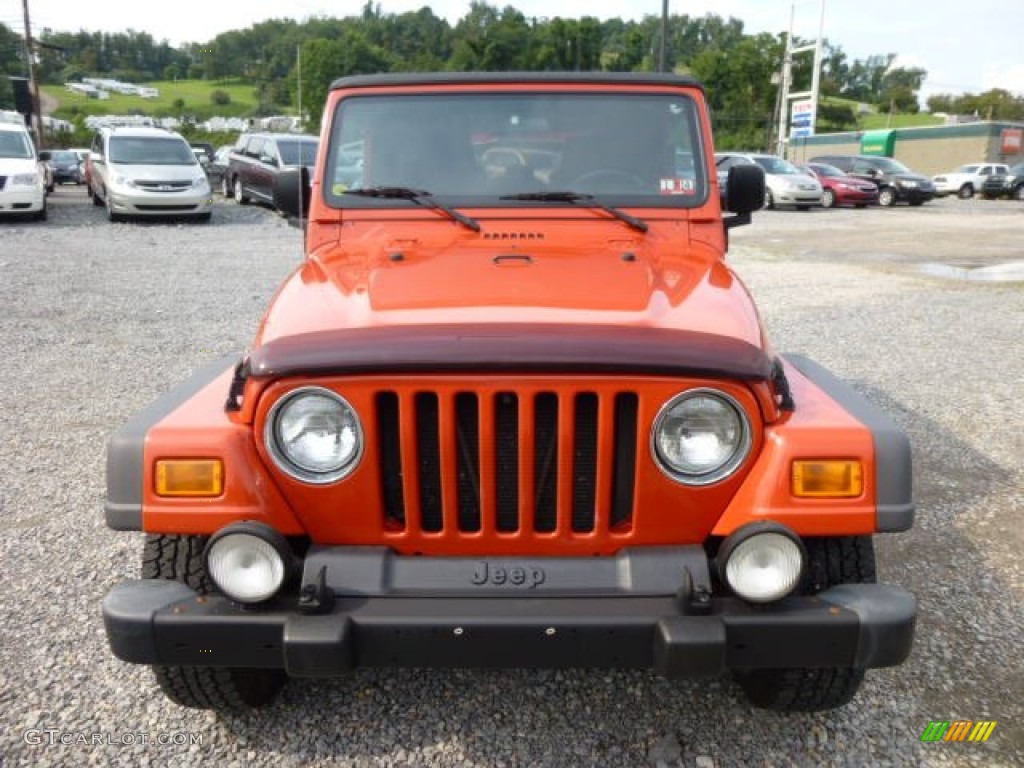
{"x":1018,"y":193}
{"x":111,"y":215}
{"x":180,"y":558}
{"x":966,"y":192}
{"x":240,"y":197}
{"x":828,"y":199}
{"x":887,"y":197}
{"x":830,"y":561}
{"x":769,"y":201}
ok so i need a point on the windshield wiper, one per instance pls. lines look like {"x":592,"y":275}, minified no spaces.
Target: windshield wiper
{"x":577,"y":197}
{"x":420,"y":196}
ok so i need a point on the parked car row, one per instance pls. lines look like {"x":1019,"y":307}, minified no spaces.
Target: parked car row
{"x":863,"y":180}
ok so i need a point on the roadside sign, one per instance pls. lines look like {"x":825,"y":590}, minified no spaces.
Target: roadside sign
{"x":801,"y":118}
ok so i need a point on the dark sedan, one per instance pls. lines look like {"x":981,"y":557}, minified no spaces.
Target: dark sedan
{"x":839,"y":188}
{"x":64,"y":165}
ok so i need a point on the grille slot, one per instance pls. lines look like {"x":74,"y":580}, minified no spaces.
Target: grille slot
{"x":429,"y":450}
{"x":467,"y":460}
{"x":506,"y":461}
{"x":584,"y":463}
{"x":545,"y":462}
{"x":390,"y":458}
{"x":509,"y":462}
{"x":623,"y":479}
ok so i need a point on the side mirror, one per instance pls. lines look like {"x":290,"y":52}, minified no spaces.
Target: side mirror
{"x":45,"y":156}
{"x":744,"y":189}
{"x":292,"y":192}
{"x":95,"y":157}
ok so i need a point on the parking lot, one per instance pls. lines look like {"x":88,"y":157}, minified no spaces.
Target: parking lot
{"x":913,"y":306}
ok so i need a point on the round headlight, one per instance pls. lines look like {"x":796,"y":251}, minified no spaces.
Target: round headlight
{"x":764,"y":566}
{"x":314,"y":435}
{"x":246,"y":567}
{"x":701,"y":437}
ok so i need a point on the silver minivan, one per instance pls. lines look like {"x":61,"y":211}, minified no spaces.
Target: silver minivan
{"x":142,"y":171}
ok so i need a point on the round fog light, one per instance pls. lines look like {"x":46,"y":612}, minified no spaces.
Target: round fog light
{"x":247,"y":566}
{"x":764,"y":565}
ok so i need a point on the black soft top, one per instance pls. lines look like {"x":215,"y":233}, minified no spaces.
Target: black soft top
{"x":484,"y":78}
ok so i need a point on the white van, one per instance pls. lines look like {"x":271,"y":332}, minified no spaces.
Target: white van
{"x":22,"y":177}
{"x":138,"y":171}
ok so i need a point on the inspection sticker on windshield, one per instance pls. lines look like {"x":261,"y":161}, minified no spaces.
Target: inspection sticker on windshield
{"x":678,"y":187}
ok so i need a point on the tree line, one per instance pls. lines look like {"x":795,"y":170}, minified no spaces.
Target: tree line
{"x":734,"y":65}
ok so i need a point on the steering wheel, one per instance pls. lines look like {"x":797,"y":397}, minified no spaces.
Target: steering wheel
{"x":612,"y":176}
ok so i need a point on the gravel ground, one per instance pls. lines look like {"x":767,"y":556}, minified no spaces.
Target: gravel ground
{"x":99,"y":319}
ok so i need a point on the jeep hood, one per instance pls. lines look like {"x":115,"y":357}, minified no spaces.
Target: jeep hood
{"x":612,"y":278}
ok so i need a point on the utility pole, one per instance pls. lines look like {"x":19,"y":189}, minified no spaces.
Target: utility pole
{"x":783,"y":101}
{"x":298,"y":69}
{"x":36,"y":118}
{"x":810,"y":96}
{"x":664,"y":34}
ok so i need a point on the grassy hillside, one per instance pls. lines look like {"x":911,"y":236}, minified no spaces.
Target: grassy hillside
{"x":875,"y":120}
{"x":871,"y":122}
{"x":196,"y":94}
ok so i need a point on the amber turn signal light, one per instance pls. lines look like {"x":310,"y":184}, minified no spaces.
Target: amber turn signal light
{"x":828,"y":478}
{"x":189,"y":477}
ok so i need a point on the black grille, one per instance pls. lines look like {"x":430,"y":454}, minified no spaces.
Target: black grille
{"x":469,"y":453}
{"x":166,"y":207}
{"x":163,"y":186}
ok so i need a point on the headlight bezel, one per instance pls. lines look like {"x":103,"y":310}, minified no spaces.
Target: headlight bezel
{"x":26,"y":179}
{"x":726,"y":469}
{"x":286,"y":464}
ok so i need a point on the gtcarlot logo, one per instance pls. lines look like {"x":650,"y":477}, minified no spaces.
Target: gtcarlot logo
{"x":958,"y":730}
{"x":53,"y":737}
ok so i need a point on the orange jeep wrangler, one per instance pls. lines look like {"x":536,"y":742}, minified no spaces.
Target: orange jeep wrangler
{"x":514,"y":410}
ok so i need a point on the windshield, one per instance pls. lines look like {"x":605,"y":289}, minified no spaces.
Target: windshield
{"x":297,"y":152}
{"x":828,"y":171}
{"x":139,"y":150}
{"x":64,"y":157}
{"x":15,"y":144}
{"x":888,"y":165}
{"x":485,"y":148}
{"x":778,"y":166}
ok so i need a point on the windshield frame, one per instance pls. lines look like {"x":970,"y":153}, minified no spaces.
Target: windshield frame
{"x":341,"y":146}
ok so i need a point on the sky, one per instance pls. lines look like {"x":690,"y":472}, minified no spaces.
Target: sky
{"x":967,"y":46}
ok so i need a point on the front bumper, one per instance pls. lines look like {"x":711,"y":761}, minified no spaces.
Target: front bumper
{"x":537,"y":624}
{"x":21,"y":199}
{"x":914,"y":194}
{"x":142,"y":203}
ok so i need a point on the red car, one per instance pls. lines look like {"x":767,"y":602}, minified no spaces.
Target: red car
{"x":838,"y":188}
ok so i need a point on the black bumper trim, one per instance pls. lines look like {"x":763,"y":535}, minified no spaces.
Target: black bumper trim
{"x":160,"y":622}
